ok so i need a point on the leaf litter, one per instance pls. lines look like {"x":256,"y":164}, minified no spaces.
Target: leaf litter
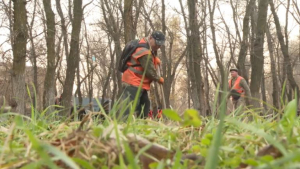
{"x":82,"y":143}
{"x":88,"y":145}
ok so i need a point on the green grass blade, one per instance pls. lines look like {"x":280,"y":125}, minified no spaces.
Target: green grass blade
{"x":259,"y":132}
{"x":212,"y":159}
{"x":60,"y":155}
{"x":83,"y":163}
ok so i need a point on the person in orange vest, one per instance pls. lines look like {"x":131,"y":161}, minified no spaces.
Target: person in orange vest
{"x":159,"y":113}
{"x":238,"y":88}
{"x":142,"y":59}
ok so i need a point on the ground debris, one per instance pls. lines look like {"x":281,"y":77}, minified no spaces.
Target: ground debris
{"x":103,"y":150}
{"x":264,"y":151}
{"x":269,"y":150}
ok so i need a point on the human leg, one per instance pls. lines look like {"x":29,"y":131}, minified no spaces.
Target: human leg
{"x":144,"y":105}
{"x":128,"y":96}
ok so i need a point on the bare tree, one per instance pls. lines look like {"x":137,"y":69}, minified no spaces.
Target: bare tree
{"x":215,"y":46}
{"x":63,"y":27}
{"x":7,"y":9}
{"x":296,"y":16}
{"x":73,"y":58}
{"x":33,"y":55}
{"x":263,"y":92}
{"x":130,"y":21}
{"x":78,"y":91}
{"x":257,"y":60}
{"x":113,"y":27}
{"x":276,"y":89}
{"x":170,"y":58}
{"x":49,"y":84}
{"x":194,"y":52}
{"x":108,"y":77}
{"x":9,"y":13}
{"x":19,"y":53}
{"x":207,"y":65}
{"x":244,"y":42}
{"x":284,"y":50}
{"x":235,"y":18}
{"x":232,"y":41}
{"x":89,"y":60}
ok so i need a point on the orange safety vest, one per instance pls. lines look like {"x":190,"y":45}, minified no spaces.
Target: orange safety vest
{"x":159,"y":114}
{"x":133,"y":75}
{"x":236,"y":86}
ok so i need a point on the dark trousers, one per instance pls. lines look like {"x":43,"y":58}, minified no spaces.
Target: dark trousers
{"x":143,"y":102}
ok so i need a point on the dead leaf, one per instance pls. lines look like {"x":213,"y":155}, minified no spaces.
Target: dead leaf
{"x":269,"y":150}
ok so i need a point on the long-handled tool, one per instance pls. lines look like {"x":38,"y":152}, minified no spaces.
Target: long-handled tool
{"x":162,"y":89}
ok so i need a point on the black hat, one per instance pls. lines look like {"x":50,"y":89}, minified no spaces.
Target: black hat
{"x":159,"y":37}
{"x":234,"y":69}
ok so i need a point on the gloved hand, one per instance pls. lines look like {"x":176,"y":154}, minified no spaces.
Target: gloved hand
{"x":161,"y":80}
{"x":157,"y":61}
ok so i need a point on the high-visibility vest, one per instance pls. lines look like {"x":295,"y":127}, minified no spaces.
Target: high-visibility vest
{"x":236,"y":86}
{"x":133,"y":75}
{"x":159,"y":114}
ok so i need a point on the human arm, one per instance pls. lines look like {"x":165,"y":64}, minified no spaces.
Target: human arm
{"x":149,"y":69}
{"x":246,"y":88}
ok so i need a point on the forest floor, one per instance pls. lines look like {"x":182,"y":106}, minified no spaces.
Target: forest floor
{"x":188,"y":141}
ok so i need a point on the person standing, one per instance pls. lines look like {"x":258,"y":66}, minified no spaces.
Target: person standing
{"x":239,"y":89}
{"x":142,"y":60}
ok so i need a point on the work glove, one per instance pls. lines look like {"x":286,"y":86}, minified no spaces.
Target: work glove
{"x":161,"y":80}
{"x":157,"y":61}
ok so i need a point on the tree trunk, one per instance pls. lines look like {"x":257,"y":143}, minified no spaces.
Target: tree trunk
{"x":192,"y":81}
{"x":111,"y":68}
{"x":257,"y":60}
{"x":263,"y":93}
{"x":128,"y":21}
{"x":118,"y":91}
{"x":19,"y":53}
{"x":207,"y":91}
{"x":49,"y":84}
{"x":73,"y":58}
{"x":33,"y":58}
{"x":276,"y":89}
{"x":197,"y":59}
{"x":244,"y":43}
{"x":193,"y":54}
{"x":284,"y":50}
{"x":166,"y":66}
{"x":35,"y":74}
{"x":79,"y":93}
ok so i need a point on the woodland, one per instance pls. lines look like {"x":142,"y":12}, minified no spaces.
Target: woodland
{"x":70,"y":49}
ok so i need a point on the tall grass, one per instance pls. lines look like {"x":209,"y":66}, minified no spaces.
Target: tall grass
{"x":41,"y":141}
{"x":26,"y":143}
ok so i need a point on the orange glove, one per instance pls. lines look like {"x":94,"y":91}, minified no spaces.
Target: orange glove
{"x":157,"y":61}
{"x":161,"y":80}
